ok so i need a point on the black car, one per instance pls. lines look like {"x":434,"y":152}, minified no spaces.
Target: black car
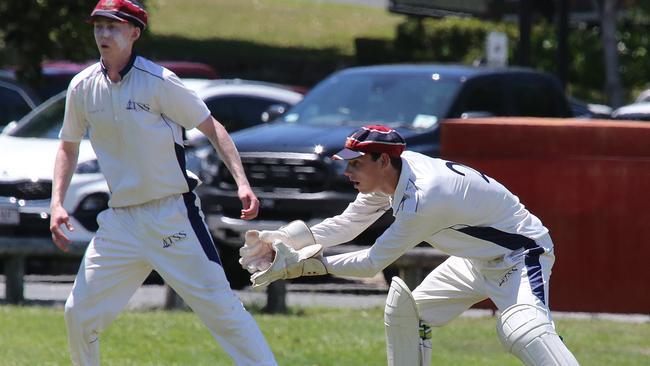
{"x":16,"y":100}
{"x":287,"y":161}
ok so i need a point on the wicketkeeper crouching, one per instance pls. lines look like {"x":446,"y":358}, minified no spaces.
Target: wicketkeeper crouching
{"x":497,"y":249}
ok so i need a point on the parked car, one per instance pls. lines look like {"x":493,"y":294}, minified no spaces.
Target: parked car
{"x":586,"y":110}
{"x":26,"y":177}
{"x":635,"y":111}
{"x":287,"y":161}
{"x":644,"y":96}
{"x":16,"y":100}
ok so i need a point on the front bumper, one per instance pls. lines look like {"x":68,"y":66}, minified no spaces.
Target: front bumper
{"x":231,"y":231}
{"x":222,"y":209}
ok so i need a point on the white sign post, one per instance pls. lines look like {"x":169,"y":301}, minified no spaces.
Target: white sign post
{"x":496,"y":49}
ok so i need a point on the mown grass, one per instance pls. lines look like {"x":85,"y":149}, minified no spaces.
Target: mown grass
{"x":312,"y":337}
{"x":288,"y":41}
{"x":279,"y":23}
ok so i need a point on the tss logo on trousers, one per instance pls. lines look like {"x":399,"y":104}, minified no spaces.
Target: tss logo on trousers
{"x":169,"y":240}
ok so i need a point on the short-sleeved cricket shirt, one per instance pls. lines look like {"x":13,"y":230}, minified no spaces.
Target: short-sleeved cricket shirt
{"x":135,"y":127}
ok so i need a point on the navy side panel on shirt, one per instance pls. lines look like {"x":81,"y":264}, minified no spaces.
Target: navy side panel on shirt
{"x":514,"y":242}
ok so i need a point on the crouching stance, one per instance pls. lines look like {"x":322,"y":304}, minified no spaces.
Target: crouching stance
{"x":497,"y":249}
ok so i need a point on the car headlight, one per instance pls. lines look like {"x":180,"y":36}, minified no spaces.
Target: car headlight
{"x":210,"y":168}
{"x":88,"y":167}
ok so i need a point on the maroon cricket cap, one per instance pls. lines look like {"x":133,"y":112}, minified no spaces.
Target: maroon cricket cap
{"x":121,"y":10}
{"x":372,"y":139}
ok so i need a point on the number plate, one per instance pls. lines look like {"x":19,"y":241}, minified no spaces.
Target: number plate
{"x":9,"y":215}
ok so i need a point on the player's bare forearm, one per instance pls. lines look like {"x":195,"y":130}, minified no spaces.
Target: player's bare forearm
{"x":228,"y":153}
{"x":64,"y":166}
{"x":225,"y":147}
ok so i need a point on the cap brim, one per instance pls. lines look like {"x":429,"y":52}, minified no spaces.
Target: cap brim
{"x":347,"y":154}
{"x":105,"y":14}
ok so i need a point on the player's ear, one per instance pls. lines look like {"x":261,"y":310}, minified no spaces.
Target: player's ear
{"x":385,"y":160}
{"x":137,"y":32}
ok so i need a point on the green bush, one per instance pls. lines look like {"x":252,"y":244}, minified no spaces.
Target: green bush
{"x":451,"y":39}
{"x":461,"y":40}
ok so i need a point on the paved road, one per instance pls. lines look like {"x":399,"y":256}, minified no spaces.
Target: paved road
{"x":153,"y":296}
{"x":51,"y":291}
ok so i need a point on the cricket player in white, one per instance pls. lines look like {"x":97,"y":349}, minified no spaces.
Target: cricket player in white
{"x":497,"y":249}
{"x":134,"y":112}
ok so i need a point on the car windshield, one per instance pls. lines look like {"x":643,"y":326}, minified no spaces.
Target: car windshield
{"x":411,"y":101}
{"x":43,"y":122}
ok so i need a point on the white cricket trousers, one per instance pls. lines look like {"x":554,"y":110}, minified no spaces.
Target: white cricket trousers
{"x":458,"y":283}
{"x":168,"y":235}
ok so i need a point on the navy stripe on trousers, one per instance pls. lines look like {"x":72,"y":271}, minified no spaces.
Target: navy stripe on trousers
{"x":199,"y":228}
{"x":514,"y":242}
{"x":193,"y":214}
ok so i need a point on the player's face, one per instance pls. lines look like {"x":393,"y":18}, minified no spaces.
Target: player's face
{"x":365,"y":173}
{"x":114,"y":38}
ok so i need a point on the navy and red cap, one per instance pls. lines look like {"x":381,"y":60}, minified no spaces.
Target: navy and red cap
{"x":121,"y":10}
{"x":372,"y":139}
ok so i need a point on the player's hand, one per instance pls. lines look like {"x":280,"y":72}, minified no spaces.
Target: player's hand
{"x":250,"y":203}
{"x":256,"y":255}
{"x":59,"y":216}
{"x":290,"y":263}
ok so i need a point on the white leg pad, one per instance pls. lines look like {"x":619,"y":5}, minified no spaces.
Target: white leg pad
{"x":404,"y":345}
{"x":526,"y":331}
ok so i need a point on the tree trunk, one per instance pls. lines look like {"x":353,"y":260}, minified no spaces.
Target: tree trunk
{"x":613,"y":87}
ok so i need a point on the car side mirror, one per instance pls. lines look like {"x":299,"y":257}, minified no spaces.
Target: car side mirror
{"x":476,"y":114}
{"x":9,"y":127}
{"x":273,"y":111}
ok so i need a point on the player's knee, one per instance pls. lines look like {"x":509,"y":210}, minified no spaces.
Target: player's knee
{"x":70,"y":311}
{"x":526,"y":331}
{"x":73,"y":313}
{"x":428,"y":317}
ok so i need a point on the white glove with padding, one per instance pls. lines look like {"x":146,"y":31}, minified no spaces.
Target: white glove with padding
{"x":257,"y":252}
{"x":290,"y":263}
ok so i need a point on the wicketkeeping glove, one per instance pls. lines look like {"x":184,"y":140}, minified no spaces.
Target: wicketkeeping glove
{"x":295,"y":234}
{"x":290,"y":263}
{"x":257,"y":253}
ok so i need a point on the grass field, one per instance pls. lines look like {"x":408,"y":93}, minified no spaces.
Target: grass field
{"x":289,"y":41}
{"x":306,"y":337}
{"x":279,"y":23}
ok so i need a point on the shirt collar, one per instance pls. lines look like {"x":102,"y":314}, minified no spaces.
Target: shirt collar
{"x":126,"y":68}
{"x":402,"y":182}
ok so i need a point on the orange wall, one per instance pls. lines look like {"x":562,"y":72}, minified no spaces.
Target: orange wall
{"x":589,"y":183}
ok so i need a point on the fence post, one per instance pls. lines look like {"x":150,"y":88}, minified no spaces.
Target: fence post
{"x":14,"y":275}
{"x":172,"y":300}
{"x":276,"y":297}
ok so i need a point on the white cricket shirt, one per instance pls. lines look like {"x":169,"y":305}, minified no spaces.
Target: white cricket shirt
{"x":448,"y":205}
{"x":135,"y":127}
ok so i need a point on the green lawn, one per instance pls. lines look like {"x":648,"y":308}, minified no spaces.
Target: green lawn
{"x":289,"y":41}
{"x":279,"y":23}
{"x":324,"y":337}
